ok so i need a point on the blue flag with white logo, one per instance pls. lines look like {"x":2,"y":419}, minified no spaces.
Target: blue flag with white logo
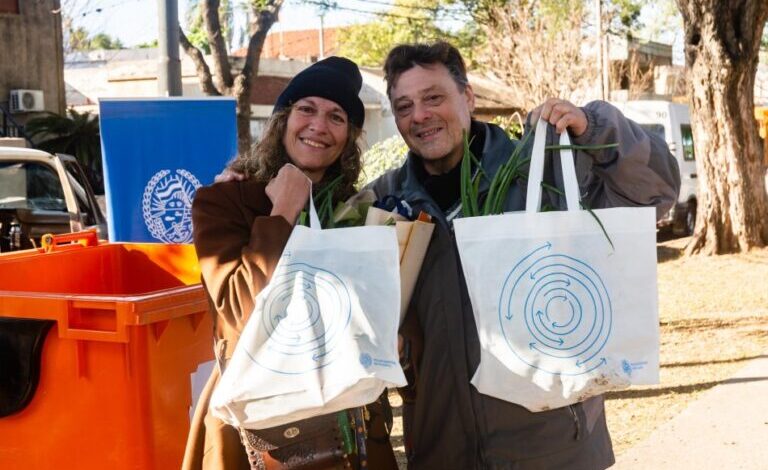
{"x":156,"y":153}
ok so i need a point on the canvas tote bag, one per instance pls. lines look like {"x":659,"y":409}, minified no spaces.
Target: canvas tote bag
{"x":323,"y":335}
{"x":562,"y":313}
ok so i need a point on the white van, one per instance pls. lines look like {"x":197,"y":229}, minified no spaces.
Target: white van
{"x":672,"y":122}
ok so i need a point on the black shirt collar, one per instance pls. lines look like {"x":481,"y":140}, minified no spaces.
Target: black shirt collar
{"x":445,"y":189}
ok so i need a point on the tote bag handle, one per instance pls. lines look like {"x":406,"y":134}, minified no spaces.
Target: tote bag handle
{"x":536,"y":173}
{"x":314,"y":220}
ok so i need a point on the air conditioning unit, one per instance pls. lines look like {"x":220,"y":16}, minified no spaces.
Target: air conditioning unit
{"x":23,"y":101}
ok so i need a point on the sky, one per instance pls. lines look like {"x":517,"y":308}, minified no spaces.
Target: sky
{"x":135,"y":21}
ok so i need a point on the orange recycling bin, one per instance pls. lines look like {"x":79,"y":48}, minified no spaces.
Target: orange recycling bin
{"x":113,"y":332}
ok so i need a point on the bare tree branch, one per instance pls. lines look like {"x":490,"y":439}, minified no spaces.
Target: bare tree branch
{"x":534,"y":58}
{"x":219,"y":54}
{"x":222,"y":81}
{"x":203,"y":72}
{"x":264,"y":19}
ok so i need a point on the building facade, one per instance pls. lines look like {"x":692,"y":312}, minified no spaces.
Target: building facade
{"x":31,"y":56}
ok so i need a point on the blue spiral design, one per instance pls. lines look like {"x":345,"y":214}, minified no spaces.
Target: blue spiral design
{"x":304,"y":312}
{"x":555,"y":313}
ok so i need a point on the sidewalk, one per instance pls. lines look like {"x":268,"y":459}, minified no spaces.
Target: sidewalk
{"x":727,"y":428}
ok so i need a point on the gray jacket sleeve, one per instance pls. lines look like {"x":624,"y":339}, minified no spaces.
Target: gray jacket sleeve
{"x":384,"y":184}
{"x":639,"y":172}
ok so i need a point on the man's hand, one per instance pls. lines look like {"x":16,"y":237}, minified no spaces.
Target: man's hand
{"x":228,"y":175}
{"x":289,"y":191}
{"x":563,"y":115}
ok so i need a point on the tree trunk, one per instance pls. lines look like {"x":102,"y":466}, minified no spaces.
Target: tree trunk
{"x":242,"y":93}
{"x":221,"y":81}
{"x":722,"y":41}
{"x":264,"y":19}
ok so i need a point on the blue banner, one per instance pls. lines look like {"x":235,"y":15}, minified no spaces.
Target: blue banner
{"x":156,"y":153}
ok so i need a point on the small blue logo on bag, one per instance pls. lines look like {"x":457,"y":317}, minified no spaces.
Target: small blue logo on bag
{"x":628,"y":367}
{"x":366,"y":360}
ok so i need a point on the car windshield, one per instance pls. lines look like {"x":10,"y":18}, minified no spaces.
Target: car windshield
{"x":30,"y":185}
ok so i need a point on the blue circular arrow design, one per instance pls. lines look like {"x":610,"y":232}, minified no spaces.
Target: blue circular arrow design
{"x":304,"y":311}
{"x":555,"y":313}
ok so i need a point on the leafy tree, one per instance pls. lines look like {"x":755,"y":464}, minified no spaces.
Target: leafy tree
{"x":76,"y":134}
{"x":623,"y":16}
{"x":148,"y":45}
{"x":196,"y":32}
{"x":77,"y":39}
{"x":368,"y":44}
{"x":722,"y":40}
{"x":104,"y":41}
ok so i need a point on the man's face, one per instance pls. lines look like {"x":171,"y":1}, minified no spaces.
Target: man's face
{"x":431,"y":113}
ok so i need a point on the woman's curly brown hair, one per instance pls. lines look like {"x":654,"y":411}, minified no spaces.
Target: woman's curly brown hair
{"x":266,"y":158}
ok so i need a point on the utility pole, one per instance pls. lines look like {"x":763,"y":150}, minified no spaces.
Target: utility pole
{"x":169,"y":63}
{"x":600,"y":59}
{"x":322,"y":37}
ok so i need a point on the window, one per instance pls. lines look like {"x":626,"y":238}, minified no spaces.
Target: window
{"x":687,"y":136}
{"x":30,"y":185}
{"x":9,"y":6}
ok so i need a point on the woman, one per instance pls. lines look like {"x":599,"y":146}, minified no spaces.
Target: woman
{"x":241,"y":228}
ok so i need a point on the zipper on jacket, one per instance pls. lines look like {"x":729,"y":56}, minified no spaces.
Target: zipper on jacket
{"x":576,"y":422}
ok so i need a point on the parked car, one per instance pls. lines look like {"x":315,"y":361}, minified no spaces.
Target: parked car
{"x":42,"y":193}
{"x":672,"y":122}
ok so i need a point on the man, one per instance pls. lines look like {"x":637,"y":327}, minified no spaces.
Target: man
{"x":448,"y":424}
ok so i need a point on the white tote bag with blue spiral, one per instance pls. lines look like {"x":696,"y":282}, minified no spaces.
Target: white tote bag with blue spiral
{"x":564,"y":310}
{"x":323,"y":335}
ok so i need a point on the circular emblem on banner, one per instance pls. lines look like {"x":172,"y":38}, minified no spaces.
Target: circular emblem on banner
{"x":167,"y":205}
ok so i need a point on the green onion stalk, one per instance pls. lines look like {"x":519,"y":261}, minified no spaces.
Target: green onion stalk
{"x":507,"y":174}
{"x":323,"y":204}
{"x":510,"y":171}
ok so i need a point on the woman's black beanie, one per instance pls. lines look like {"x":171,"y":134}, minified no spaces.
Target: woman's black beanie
{"x":336,"y":79}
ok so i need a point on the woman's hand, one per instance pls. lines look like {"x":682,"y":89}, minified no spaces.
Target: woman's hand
{"x":289,"y":191}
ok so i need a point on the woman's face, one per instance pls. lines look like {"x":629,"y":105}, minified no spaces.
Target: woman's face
{"x":315,"y":135}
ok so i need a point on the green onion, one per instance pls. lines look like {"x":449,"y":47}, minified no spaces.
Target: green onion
{"x":342,"y":417}
{"x":509,"y":172}
{"x":324,"y":202}
{"x":553,"y":189}
{"x":581,"y":147}
{"x":502,"y":180}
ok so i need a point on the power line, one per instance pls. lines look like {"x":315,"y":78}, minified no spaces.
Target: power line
{"x":405,"y":6}
{"x":108,"y":7}
{"x":335,"y":6}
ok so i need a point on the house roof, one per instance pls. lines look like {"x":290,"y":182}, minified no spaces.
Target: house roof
{"x":303,"y":44}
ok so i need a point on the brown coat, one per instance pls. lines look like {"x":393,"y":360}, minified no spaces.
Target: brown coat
{"x":238,"y":245}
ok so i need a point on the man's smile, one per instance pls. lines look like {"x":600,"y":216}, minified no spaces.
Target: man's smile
{"x":426,"y":134}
